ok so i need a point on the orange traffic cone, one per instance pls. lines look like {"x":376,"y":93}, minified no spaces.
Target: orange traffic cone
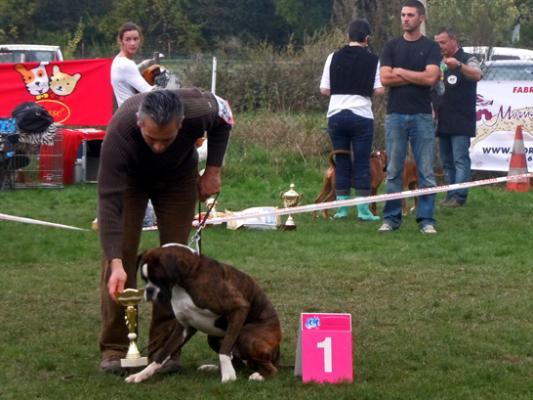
{"x":518,"y":165}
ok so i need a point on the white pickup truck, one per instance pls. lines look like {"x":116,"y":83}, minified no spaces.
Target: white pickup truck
{"x":20,"y":53}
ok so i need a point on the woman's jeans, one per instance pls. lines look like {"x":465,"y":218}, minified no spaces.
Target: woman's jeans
{"x":349,"y":131}
{"x":418,"y":130}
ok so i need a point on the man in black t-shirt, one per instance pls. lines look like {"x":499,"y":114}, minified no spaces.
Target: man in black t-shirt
{"x":409,"y":67}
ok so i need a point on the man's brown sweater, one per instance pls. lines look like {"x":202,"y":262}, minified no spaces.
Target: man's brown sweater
{"x":126,"y":160}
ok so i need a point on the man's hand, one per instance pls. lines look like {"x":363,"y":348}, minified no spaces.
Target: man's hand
{"x":452,"y":63}
{"x":398,"y":71}
{"x":117,"y":278}
{"x":390,"y":77}
{"x":209,"y":183}
{"x":428,"y":77}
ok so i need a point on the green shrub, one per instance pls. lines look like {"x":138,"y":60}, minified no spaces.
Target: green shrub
{"x":267,"y":78}
{"x":279,"y":92}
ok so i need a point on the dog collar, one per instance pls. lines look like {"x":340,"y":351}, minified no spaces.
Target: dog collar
{"x":179,"y":245}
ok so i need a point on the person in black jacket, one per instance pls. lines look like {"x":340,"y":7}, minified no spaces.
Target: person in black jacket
{"x":455,"y":108}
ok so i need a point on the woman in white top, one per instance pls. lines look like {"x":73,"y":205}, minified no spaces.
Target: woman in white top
{"x":127,"y":80}
{"x":351,"y":78}
{"x":125,"y":76}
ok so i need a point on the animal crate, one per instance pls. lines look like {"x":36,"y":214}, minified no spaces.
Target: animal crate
{"x":35,"y":161}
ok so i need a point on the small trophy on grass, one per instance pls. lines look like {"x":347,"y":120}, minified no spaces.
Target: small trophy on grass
{"x":129,"y":298}
{"x":291,"y":198}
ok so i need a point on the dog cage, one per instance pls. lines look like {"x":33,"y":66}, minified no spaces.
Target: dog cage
{"x":31,"y":160}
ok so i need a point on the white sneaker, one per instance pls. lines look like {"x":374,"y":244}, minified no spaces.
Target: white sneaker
{"x":385,"y":227}
{"x":428,"y":230}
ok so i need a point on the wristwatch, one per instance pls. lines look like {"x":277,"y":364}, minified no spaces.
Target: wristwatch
{"x":460,"y":65}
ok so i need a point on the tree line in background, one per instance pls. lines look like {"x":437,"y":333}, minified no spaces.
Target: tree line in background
{"x":87,"y":28}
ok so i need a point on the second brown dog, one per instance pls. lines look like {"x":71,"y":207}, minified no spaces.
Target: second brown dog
{"x":378,"y":164}
{"x":409,"y":182}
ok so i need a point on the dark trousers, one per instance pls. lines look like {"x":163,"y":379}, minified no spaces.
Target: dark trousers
{"x":174,"y":205}
{"x":349,"y":131}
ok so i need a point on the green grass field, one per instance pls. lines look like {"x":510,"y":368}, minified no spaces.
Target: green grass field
{"x":442,"y":317}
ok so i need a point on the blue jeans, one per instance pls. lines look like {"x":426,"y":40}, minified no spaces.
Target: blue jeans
{"x":455,"y":155}
{"x":418,"y":130}
{"x":349,"y":131}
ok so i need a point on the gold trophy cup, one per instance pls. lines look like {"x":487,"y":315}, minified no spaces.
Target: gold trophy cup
{"x":129,"y":298}
{"x":291,"y":198}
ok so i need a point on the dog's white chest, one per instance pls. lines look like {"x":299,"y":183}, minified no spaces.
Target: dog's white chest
{"x":188,"y":314}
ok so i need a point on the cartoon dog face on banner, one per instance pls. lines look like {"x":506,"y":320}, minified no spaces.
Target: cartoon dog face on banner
{"x":35,"y":79}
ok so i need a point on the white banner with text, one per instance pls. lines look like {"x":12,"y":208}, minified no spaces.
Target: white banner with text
{"x":500,"y":107}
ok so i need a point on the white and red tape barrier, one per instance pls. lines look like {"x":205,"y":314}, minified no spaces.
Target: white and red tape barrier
{"x":370,"y":199}
{"x":314,"y":207}
{"x":7,"y":217}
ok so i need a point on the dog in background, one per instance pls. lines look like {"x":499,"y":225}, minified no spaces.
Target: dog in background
{"x":327,"y":193}
{"x":378,"y":173}
{"x":378,"y":164}
{"x":217,"y":299}
{"x":409,"y":182}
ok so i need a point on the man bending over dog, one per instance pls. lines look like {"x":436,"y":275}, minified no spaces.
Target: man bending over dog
{"x":149,"y":153}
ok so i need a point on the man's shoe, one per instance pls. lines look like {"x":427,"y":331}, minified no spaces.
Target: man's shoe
{"x":428,"y":229}
{"x":112,"y":365}
{"x":385,"y":227}
{"x":443,"y":203}
{"x":170,"y":367}
{"x":451,"y":203}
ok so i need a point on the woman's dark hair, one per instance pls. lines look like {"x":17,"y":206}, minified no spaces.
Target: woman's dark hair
{"x":358,"y":30}
{"x":126,"y":27}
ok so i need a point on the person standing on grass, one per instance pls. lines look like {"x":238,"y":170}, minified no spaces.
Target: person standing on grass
{"x":126,"y":79}
{"x":125,"y":76}
{"x":149,"y":153}
{"x":350,"y":78}
{"x":409,"y":68}
{"x":455,"y":109}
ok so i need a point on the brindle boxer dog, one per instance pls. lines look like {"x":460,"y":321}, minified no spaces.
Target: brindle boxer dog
{"x":217,"y":299}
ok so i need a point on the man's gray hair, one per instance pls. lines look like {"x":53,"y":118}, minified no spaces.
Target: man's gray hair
{"x":162,"y":106}
{"x":449,"y":31}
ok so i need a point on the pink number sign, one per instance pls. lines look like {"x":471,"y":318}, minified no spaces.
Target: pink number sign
{"x":324,"y":352}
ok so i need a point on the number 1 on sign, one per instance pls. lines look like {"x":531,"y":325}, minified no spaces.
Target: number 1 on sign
{"x":328,"y":359}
